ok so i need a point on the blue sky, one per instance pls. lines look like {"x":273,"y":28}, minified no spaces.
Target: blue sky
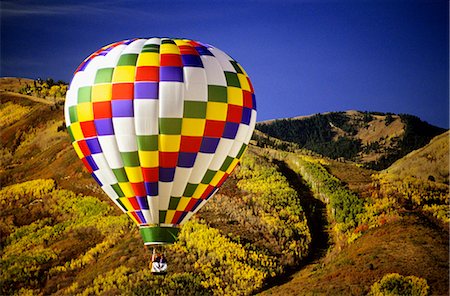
{"x":303,"y":57}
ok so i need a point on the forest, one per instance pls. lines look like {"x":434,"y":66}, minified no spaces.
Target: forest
{"x":60,"y":235}
{"x":338,"y":135}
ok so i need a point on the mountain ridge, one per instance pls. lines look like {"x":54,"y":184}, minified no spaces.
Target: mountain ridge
{"x":373,"y":139}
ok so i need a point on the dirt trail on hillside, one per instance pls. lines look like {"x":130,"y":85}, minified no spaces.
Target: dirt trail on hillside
{"x":316,"y":214}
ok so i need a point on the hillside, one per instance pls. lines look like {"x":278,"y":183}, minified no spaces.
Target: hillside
{"x":61,"y":235}
{"x":430,"y":162}
{"x":370,"y":138}
{"x":288,"y":221}
{"x":408,"y":247}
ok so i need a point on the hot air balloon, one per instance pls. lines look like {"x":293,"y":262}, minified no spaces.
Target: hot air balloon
{"x":160,"y":124}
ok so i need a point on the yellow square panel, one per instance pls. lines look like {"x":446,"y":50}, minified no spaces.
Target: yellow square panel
{"x":85,"y":112}
{"x":126,"y":189}
{"x":169,"y":216}
{"x":216,"y":111}
{"x":232,"y":165}
{"x":78,"y":150}
{"x":193,"y":127}
{"x":149,"y":159}
{"x":242,"y":69}
{"x":244,"y":82}
{"x":169,"y":48}
{"x":183,"y":203}
{"x":76,"y":131}
{"x":132,"y":217}
{"x":101,"y":92}
{"x":182,"y":42}
{"x":148,"y":59}
{"x":127,"y":204}
{"x":169,"y":143}
{"x":134,"y":174}
{"x":217,"y":178}
{"x":124,"y":74}
{"x":235,"y":96}
{"x":199,"y":190}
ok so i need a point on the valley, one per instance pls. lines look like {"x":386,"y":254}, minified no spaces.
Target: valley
{"x":289,"y":221}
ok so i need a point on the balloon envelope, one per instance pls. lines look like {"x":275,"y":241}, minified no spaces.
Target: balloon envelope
{"x":160,"y":124}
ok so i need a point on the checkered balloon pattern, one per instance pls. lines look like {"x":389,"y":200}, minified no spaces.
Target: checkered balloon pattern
{"x":160,"y":124}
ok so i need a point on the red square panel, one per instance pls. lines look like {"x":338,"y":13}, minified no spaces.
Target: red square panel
{"x":102,"y":110}
{"x":84,"y":148}
{"x":173,"y":60}
{"x":87,"y":165}
{"x":176,"y":217}
{"x":88,"y":128}
{"x":190,"y":144}
{"x":122,"y":91}
{"x":168,"y":159}
{"x":136,"y":217}
{"x":234,"y":113}
{"x":134,"y":203}
{"x":191,"y":204}
{"x":247,"y":99}
{"x":139,"y":189}
{"x":224,"y":178}
{"x":214,"y":128}
{"x":147,"y":73}
{"x":186,"y":49}
{"x":150,"y":174}
{"x":194,"y":43}
{"x":208,"y":190}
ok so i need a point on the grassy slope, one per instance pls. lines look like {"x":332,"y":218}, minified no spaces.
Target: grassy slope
{"x":38,"y":150}
{"x":401,"y":246}
{"x":430,"y":160}
{"x":409,"y":246}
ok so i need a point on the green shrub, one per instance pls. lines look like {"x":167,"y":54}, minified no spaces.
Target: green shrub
{"x":394,"y":284}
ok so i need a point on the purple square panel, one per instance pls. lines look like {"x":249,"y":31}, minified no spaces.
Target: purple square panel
{"x":122,"y":108}
{"x":104,"y":127}
{"x":146,"y":90}
{"x":171,"y":74}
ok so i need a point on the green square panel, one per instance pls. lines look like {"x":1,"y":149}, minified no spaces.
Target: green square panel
{"x":73,"y":115}
{"x":69,"y":130}
{"x":236,"y":67}
{"x":128,"y":59}
{"x":217,"y":93}
{"x":120,"y":203}
{"x":170,"y":126}
{"x":207,"y":178}
{"x":162,"y":216}
{"x":84,"y":94}
{"x":226,"y":163}
{"x":130,"y":159}
{"x":232,"y":79}
{"x":194,"y":109}
{"x":119,"y":191}
{"x":190,"y":189}
{"x":173,"y":204}
{"x":151,"y":48}
{"x":120,"y":175}
{"x":147,"y":143}
{"x":104,"y":75}
{"x":167,"y":41}
{"x":241,"y":151}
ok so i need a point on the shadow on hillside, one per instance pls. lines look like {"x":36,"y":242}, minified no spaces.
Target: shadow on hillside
{"x":316,"y":214}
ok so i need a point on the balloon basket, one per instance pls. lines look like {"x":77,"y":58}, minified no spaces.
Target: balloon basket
{"x":159,"y":235}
